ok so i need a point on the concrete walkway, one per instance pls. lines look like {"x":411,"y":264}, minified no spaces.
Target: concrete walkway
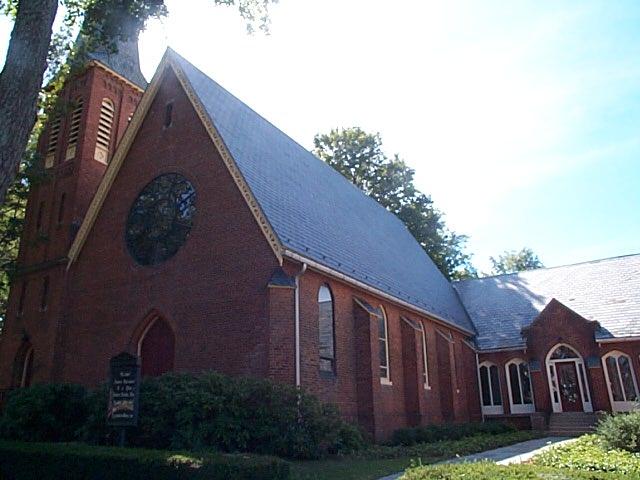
{"x":517,"y":453}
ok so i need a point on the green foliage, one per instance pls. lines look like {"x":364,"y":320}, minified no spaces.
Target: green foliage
{"x":435,"y":433}
{"x":359,"y":157}
{"x":44,"y":413}
{"x":491,"y":471}
{"x":621,"y":431}
{"x":26,"y":461}
{"x":591,"y":453}
{"x":447,"y":448}
{"x":512,"y":262}
{"x":183,"y":411}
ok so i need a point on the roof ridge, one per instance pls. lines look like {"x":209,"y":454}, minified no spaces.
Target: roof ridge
{"x":597,"y":260}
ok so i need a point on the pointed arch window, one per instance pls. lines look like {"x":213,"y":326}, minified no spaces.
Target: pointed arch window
{"x":383,"y":344}
{"x":74,"y":128}
{"x":621,"y":381}
{"x":156,"y":348}
{"x":54,"y":136}
{"x":519,"y":383}
{"x":23,"y":366}
{"x":490,"y":389}
{"x":326,"y":326}
{"x":105,"y":126}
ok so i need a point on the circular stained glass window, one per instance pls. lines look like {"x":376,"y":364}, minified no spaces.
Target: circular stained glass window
{"x":160,"y":219}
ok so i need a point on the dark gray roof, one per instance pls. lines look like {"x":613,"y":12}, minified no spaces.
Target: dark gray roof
{"x":607,"y":291}
{"x":318,"y":214}
{"x":124,"y":61}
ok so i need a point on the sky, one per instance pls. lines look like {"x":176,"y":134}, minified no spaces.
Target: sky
{"x":521,"y":119}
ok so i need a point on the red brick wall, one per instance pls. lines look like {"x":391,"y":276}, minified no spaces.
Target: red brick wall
{"x":213,"y":291}
{"x":42,"y":249}
{"x":356,"y":388}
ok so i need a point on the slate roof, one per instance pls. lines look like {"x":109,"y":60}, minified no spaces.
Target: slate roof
{"x":125,"y":61}
{"x":318,"y":214}
{"x":607,"y":291}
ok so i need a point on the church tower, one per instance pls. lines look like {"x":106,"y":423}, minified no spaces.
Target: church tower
{"x":75,"y":148}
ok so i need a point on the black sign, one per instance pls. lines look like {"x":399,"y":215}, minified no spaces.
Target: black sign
{"x":124,"y":391}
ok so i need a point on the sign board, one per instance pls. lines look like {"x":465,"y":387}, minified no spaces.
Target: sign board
{"x":124,"y":391}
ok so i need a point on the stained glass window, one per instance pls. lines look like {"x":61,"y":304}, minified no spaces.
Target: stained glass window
{"x":160,"y":219}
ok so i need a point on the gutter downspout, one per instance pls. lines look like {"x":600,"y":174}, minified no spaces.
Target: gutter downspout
{"x":297,"y":321}
{"x":479,"y":384}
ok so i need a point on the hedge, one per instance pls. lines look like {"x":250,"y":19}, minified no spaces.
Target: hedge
{"x":491,"y":471}
{"x":436,"y":433}
{"x":621,"y":431}
{"x":188,"y":412}
{"x":46,"y":461}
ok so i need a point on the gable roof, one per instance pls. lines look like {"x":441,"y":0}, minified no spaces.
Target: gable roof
{"x":607,"y":291}
{"x":312,"y":210}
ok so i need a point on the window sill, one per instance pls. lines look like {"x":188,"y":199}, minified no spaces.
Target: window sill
{"x":386,"y":381}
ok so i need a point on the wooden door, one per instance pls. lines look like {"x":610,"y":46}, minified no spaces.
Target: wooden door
{"x":569,"y":388}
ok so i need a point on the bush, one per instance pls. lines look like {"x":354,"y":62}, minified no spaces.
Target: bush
{"x":590,"y":453}
{"x":491,"y":471}
{"x":26,"y":461}
{"x":195,"y":412}
{"x":435,"y":433}
{"x":44,"y":413}
{"x":621,"y":431}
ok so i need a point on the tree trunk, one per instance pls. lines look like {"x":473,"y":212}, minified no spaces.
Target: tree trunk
{"x":20,"y":82}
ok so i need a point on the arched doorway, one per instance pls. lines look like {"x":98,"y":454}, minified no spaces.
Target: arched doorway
{"x":156,"y":348}
{"x":568,"y":385}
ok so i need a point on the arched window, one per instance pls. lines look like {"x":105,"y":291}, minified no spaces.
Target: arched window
{"x":383,"y":343}
{"x":52,"y":146}
{"x":105,"y":125}
{"x":490,"y":389}
{"x":156,"y":348}
{"x":519,"y":382}
{"x":621,"y":380}
{"x":326,"y":328}
{"x":23,"y":366}
{"x":74,"y":128}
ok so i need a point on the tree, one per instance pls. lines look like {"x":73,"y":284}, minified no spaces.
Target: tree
{"x":359,"y":157}
{"x":37,"y":55}
{"x":512,"y":262}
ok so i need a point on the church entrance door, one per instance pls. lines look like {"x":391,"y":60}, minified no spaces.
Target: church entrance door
{"x":569,"y":388}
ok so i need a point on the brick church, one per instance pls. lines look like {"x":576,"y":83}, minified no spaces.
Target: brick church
{"x":177,"y":224}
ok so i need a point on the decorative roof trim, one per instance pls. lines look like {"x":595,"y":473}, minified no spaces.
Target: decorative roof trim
{"x":229,"y":162}
{"x":341,"y":276}
{"x":116,"y":162}
{"x":470,"y":345}
{"x":127,"y":140}
{"x":99,"y":64}
{"x":504,"y":349}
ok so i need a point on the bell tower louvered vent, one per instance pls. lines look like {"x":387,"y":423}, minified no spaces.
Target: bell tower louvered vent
{"x":105,"y":126}
{"x":74,"y":129}
{"x":54,"y":135}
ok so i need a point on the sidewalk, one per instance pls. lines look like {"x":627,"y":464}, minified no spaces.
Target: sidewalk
{"x":517,"y":453}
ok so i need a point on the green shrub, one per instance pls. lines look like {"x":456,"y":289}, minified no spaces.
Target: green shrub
{"x":491,"y":471}
{"x":621,"y":431}
{"x":44,"y":413}
{"x":183,"y":411}
{"x":590,"y":453}
{"x":435,"y":433}
{"x":447,"y":448}
{"x":26,"y":461}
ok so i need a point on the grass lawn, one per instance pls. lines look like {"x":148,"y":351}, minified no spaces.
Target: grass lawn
{"x":379,"y":461}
